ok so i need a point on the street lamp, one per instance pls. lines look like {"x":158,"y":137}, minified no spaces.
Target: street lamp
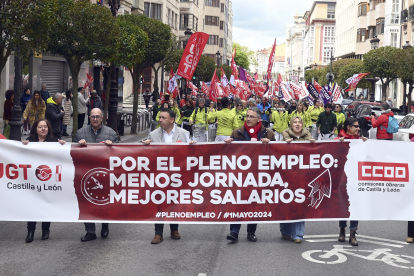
{"x":406,"y":46}
{"x":330,"y":77}
{"x":218,"y":58}
{"x":315,"y":65}
{"x":187,"y":34}
{"x":299,"y":73}
{"x":375,"y":43}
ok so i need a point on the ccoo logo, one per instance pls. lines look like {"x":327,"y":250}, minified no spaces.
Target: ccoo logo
{"x":43,"y":173}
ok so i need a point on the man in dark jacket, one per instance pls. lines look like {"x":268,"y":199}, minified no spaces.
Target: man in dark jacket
{"x":292,"y":107}
{"x":44,"y":93}
{"x":54,"y":114}
{"x":327,"y":123}
{"x":94,"y":102}
{"x":96,"y":132}
{"x":251,"y":131}
{"x":382,"y":123}
{"x":147,"y":96}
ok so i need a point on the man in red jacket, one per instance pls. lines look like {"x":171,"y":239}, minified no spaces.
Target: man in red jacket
{"x":382,"y":123}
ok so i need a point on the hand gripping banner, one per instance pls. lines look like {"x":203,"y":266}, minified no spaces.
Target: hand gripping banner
{"x":206,"y":183}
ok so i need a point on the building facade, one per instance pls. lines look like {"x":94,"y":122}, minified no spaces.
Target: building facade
{"x":295,"y":34}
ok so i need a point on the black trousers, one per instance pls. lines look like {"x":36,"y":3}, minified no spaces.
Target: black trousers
{"x":31,"y":226}
{"x":159,"y":228}
{"x":57,"y":135}
{"x":90,"y":227}
{"x":410,"y":229}
{"x":81,"y":120}
{"x":189,"y":129}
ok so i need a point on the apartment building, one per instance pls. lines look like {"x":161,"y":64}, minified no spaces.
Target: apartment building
{"x":319,"y":35}
{"x":295,"y":34}
{"x":260,"y":61}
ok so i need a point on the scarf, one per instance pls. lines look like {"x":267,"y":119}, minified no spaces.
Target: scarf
{"x":253,"y":131}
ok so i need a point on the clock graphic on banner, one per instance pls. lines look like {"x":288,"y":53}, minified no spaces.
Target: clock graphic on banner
{"x":95,"y":186}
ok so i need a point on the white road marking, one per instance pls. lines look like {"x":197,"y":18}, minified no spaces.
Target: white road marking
{"x":322,"y":240}
{"x":319,"y":236}
{"x":389,"y":242}
{"x":381,"y":243}
{"x":380,"y":239}
{"x":202,"y":274}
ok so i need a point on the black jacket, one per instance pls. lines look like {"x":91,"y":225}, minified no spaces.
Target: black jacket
{"x":48,"y":139}
{"x":240,"y":134}
{"x":53,"y":115}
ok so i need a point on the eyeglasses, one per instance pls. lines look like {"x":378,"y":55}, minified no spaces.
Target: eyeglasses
{"x":95,"y":117}
{"x":251,"y":117}
{"x":239,"y":105}
{"x":355,"y":126}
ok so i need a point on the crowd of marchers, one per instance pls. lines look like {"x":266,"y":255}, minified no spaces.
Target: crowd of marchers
{"x":196,"y":119}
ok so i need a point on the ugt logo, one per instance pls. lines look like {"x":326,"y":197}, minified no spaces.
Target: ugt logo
{"x":44,"y":173}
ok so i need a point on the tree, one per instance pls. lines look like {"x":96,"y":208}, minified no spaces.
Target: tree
{"x":243,"y":55}
{"x":205,"y":69}
{"x":404,"y":62}
{"x":82,"y":31}
{"x":316,"y":74}
{"x":25,"y":25}
{"x":132,"y":41}
{"x":352,"y":68}
{"x":159,"y":41}
{"x":380,"y":63}
{"x":226,"y":69}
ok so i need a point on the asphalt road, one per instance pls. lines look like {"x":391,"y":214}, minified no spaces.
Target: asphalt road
{"x":203,"y":250}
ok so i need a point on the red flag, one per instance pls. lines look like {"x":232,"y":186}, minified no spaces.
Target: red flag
{"x":213,"y":91}
{"x":354,"y":80}
{"x":234,"y":71}
{"x":224,"y":80}
{"x":271,"y":61}
{"x":88,"y":81}
{"x":296,"y":90}
{"x":204,"y":88}
{"x":317,"y":86}
{"x":279,"y":80}
{"x":249,"y":78}
{"x":192,"y":54}
{"x":172,"y":85}
{"x":255,"y":77}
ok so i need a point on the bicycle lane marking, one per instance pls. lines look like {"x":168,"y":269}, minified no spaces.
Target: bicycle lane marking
{"x":363,"y":238}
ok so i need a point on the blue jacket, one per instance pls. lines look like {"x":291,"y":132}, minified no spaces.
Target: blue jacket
{"x":24,"y":100}
{"x":264,"y":117}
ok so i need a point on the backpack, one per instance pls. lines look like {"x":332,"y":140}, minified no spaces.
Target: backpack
{"x":392,"y":125}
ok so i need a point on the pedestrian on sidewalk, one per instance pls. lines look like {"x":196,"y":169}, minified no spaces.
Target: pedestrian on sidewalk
{"x":96,"y":133}
{"x":67,"y":107}
{"x":35,"y":110}
{"x":253,"y":131}
{"x":40,"y":132}
{"x":349,"y":130}
{"x":54,"y":114}
{"x":167,"y":133}
{"x":147,"y":97}
{"x":24,"y":101}
{"x":44,"y":93}
{"x":82,"y":109}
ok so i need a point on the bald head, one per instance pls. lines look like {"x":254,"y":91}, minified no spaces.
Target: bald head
{"x":96,"y":111}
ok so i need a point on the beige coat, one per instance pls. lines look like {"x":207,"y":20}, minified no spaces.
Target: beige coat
{"x":67,"y":106}
{"x":31,"y":112}
{"x":304,"y":135}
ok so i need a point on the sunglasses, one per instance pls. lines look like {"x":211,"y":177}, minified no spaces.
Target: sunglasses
{"x":239,"y":105}
{"x":355,"y":126}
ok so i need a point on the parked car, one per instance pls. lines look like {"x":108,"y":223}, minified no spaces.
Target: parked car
{"x":353,"y":108}
{"x":405,"y":131}
{"x":365,"y":112}
{"x":346,"y":102}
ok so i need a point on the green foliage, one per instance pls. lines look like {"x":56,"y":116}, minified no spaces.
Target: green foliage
{"x":205,"y":69}
{"x":356,"y":66}
{"x":404,"y":62}
{"x":317,"y":74}
{"x":82,"y":31}
{"x":174,"y":59}
{"x":380,"y":63}
{"x":226,"y":69}
{"x":24,"y":24}
{"x":243,"y":54}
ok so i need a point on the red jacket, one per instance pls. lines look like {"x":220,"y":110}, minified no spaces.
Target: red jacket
{"x":342,"y":133}
{"x":182,"y":102}
{"x":382,"y":124}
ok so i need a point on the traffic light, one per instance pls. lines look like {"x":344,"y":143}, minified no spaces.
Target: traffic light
{"x":141,"y":80}
{"x":194,"y":77}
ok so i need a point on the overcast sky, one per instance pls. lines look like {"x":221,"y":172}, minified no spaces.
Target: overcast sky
{"x":256,"y":23}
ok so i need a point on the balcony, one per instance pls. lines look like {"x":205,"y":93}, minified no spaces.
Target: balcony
{"x":404,"y":16}
{"x":411,"y":13}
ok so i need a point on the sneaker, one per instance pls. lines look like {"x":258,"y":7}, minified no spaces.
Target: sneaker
{"x":251,"y":237}
{"x":233,"y":237}
{"x":297,"y":241}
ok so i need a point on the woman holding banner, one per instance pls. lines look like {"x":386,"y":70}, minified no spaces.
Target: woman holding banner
{"x":296,"y":132}
{"x":41,"y":132}
{"x":349,"y":130}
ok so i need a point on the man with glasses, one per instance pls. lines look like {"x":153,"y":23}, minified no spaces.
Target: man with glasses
{"x":254,"y":131}
{"x":327,"y":124}
{"x":96,"y":132}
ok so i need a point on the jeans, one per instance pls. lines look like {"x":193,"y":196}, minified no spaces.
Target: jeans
{"x":410,"y":229}
{"x":296,"y":230}
{"x":354,"y":224}
{"x":90,"y":227}
{"x":159,"y":228}
{"x":31,"y":226}
{"x":235,"y":228}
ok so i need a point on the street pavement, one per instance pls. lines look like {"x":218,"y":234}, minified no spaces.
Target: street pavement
{"x":203,"y":250}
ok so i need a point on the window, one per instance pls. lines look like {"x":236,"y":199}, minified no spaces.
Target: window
{"x":312,"y":35}
{"x":222,"y":7}
{"x":362,"y":9}
{"x":361,"y":35}
{"x":380,"y":26}
{"x":329,"y":36}
{"x":327,"y":54}
{"x":153,"y":10}
{"x":221,"y":25}
{"x":372,"y":32}
{"x":212,"y":3}
{"x":176,"y":21}
{"x":212,"y":20}
{"x":331,"y":10}
{"x":395,"y":13}
{"x":394,"y":41}
{"x":311,"y":57}
{"x":213,"y":40}
{"x":221,"y":43}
